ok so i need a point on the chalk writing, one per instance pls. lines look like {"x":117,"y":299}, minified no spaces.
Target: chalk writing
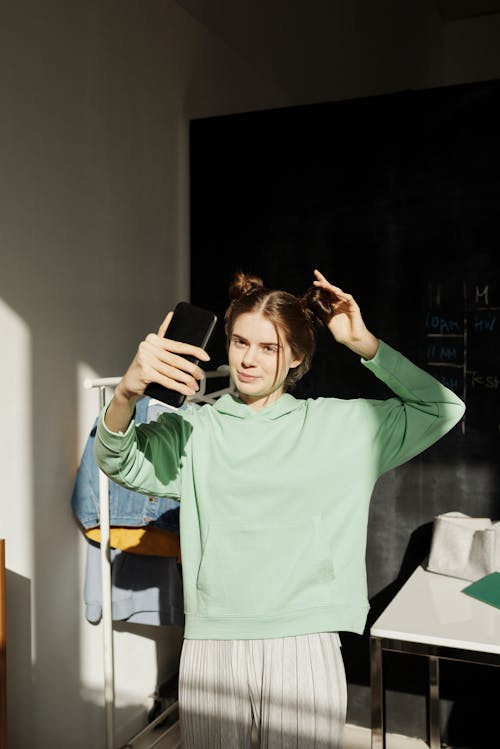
{"x":490,"y":382}
{"x":442,"y":325}
{"x":462,"y":345}
{"x":481,"y":296}
{"x":451,"y":382}
{"x":445,"y":352}
{"x":486,"y":323}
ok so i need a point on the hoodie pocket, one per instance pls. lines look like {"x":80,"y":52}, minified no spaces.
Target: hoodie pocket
{"x":261,"y":569}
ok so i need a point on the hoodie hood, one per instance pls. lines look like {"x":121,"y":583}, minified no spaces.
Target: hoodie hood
{"x":232,"y":405}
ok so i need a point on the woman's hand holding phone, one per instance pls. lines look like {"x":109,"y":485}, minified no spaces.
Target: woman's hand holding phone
{"x":159,"y":360}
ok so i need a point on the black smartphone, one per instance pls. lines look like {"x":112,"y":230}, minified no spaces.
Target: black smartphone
{"x":189,"y":324}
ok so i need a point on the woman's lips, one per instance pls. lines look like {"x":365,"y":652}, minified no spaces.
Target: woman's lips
{"x":246,"y":378}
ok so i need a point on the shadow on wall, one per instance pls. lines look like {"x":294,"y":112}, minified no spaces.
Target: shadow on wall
{"x":18,"y":648}
{"x":356,"y":649}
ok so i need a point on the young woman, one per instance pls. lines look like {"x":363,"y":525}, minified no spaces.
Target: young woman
{"x":274,"y":496}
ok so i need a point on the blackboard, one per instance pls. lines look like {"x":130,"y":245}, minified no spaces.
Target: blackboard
{"x":396,"y":199}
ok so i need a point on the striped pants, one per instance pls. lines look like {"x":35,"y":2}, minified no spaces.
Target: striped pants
{"x":292,"y":688}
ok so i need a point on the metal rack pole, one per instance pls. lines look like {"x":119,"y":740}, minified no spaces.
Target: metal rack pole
{"x":107,"y":611}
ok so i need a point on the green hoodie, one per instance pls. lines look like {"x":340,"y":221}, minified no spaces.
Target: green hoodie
{"x":275,"y":502}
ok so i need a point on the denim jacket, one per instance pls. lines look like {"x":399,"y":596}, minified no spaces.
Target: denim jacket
{"x":126,"y":508}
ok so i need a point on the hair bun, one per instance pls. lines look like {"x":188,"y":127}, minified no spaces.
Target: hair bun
{"x":244,"y":283}
{"x":316,"y":303}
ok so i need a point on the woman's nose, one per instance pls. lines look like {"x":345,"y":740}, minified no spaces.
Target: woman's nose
{"x":248,"y":356}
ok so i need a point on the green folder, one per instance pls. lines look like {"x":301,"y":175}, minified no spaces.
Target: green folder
{"x":486,"y":589}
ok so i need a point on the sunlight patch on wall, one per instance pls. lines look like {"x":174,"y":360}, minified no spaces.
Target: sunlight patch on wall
{"x":16,"y":452}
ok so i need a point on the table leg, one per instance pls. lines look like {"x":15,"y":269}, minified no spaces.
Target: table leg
{"x":377,"y":694}
{"x":434,"y":722}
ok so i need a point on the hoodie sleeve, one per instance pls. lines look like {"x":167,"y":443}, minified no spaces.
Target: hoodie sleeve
{"x":146,"y":458}
{"x":422,"y":412}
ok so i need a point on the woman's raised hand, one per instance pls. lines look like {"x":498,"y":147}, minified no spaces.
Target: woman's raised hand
{"x":160,"y":359}
{"x":346,"y":323}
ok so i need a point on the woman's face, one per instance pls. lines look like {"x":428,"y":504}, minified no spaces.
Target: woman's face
{"x":258,"y":360}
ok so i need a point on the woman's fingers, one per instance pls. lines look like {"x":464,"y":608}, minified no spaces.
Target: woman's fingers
{"x":175,"y":379}
{"x":163,"y":327}
{"x":159,"y":362}
{"x":323,"y":283}
{"x":178,"y":347}
{"x":153,"y":356}
{"x":187,"y":349}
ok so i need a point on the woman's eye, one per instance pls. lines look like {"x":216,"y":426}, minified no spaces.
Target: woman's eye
{"x":270,"y":349}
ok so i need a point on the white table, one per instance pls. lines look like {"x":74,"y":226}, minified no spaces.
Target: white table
{"x":430,"y":616}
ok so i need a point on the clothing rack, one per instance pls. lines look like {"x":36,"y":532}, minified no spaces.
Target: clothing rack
{"x":103,"y":384}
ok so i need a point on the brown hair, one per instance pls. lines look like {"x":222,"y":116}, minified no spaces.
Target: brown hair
{"x":295,"y":316}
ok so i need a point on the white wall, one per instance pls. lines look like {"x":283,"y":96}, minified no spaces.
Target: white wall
{"x":95,"y":99}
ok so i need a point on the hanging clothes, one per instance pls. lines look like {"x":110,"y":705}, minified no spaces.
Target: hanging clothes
{"x":144,"y":589}
{"x":146,"y":578}
{"x":148,"y":541}
{"x":126,"y":508}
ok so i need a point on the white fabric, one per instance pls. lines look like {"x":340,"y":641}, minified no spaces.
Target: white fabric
{"x":293,"y":688}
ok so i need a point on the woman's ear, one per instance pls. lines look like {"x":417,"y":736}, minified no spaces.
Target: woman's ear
{"x":296,"y":363}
